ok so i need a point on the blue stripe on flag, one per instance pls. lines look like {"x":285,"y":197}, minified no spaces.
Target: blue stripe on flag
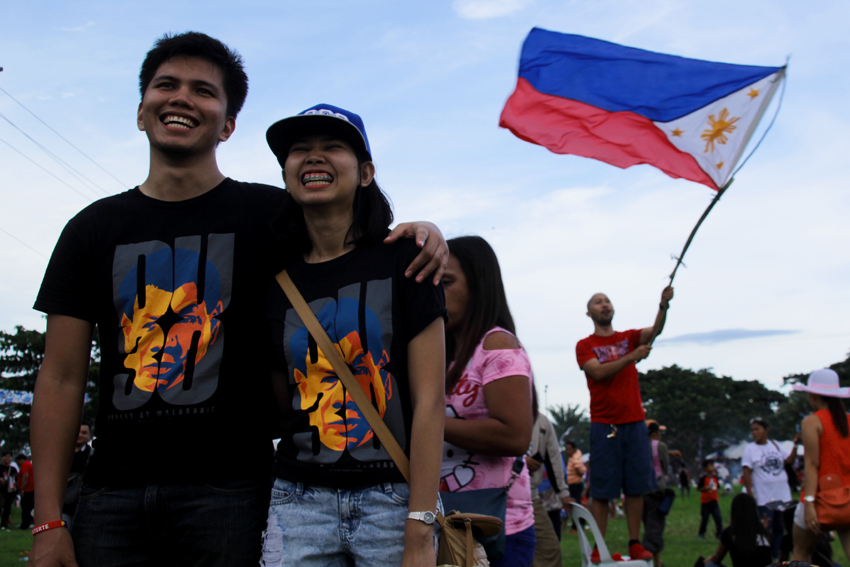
{"x":618,"y":78}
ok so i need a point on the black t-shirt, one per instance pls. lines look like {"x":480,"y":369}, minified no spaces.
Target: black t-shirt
{"x":176,"y":290}
{"x":370,"y":310}
{"x":761,"y":557}
{"x":9,"y":475}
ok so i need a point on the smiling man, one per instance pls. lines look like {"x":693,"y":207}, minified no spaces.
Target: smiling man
{"x":173,"y":273}
{"x":620,"y":458}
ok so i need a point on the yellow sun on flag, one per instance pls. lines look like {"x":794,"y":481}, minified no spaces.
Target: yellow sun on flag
{"x":718,"y":128}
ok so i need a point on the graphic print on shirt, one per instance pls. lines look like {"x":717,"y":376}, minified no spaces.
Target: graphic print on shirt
{"x":771,"y":463}
{"x":169,"y":302}
{"x":611,"y":352}
{"x":457,"y":461}
{"x":359,"y":322}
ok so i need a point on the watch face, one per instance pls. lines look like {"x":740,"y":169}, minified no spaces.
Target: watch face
{"x":428,"y":517}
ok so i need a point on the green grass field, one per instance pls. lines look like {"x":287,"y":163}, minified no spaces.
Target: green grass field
{"x":14,"y":544}
{"x":682,"y":547}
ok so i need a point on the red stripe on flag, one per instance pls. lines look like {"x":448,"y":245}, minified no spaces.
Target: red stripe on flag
{"x":622,"y":139}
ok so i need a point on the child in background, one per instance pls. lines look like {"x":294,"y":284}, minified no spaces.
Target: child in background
{"x":709,"y":501}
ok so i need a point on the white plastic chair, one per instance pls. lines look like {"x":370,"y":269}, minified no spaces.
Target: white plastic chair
{"x":579,"y":513}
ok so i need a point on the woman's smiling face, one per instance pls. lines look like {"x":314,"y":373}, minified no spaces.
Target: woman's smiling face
{"x":323,"y":170}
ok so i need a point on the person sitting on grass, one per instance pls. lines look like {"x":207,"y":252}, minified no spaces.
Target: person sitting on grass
{"x":746,"y":539}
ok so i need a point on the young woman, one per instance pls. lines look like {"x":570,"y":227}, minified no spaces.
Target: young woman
{"x":826,"y":447}
{"x":765,"y":478}
{"x":746,"y":539}
{"x":338,"y":498}
{"x":488,"y":393}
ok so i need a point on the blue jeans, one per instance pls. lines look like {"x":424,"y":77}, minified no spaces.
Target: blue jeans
{"x":712,"y":509}
{"x":328,"y":527}
{"x":167,"y":525}
{"x":519,"y":549}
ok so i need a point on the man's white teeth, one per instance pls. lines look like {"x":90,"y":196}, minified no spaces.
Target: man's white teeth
{"x":316,"y":179}
{"x":179,"y":122}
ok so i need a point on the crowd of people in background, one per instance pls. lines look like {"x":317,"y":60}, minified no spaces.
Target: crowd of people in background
{"x":441,"y":364}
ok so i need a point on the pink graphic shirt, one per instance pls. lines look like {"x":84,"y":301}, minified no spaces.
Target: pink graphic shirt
{"x":463,"y":470}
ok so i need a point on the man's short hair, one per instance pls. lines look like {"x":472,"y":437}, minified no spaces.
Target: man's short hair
{"x":571,"y":444}
{"x":6,"y":453}
{"x":707,"y":462}
{"x":196,"y":44}
{"x":21,"y":457}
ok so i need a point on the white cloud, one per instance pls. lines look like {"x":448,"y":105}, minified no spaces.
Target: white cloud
{"x":79,"y":28}
{"x":484,"y":9}
{"x":67,"y":95}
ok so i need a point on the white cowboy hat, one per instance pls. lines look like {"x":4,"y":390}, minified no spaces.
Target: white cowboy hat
{"x":824,"y":382}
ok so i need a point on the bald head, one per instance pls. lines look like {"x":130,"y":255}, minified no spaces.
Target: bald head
{"x":594,"y":296}
{"x":600,"y":309}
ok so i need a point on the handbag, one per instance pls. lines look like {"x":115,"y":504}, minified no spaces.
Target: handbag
{"x":486,"y":501}
{"x":458,"y":531}
{"x":832,"y":502}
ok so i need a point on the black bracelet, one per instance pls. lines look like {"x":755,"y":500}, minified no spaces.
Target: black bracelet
{"x":662,"y":308}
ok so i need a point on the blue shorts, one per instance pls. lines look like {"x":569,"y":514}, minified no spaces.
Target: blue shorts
{"x":621,"y":464}
{"x":316,"y":526}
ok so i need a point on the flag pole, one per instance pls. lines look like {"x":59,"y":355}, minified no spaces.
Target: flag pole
{"x":691,"y":237}
{"x":696,"y":228}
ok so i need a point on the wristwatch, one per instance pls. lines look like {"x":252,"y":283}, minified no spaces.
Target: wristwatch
{"x":426,"y":517}
{"x":809,"y":498}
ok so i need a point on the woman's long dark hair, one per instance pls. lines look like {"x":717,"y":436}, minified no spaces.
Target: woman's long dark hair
{"x":373,"y":216}
{"x":487,"y":306}
{"x":839,"y":415}
{"x":746,"y":525}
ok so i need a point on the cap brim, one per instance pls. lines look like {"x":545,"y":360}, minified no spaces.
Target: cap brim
{"x":283,"y":133}
{"x":825,"y":392}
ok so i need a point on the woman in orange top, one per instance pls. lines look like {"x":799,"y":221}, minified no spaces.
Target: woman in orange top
{"x":826,"y":441}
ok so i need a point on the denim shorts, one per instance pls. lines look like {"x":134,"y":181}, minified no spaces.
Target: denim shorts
{"x":319,"y":526}
{"x":209,"y":525}
{"x":622,"y":463}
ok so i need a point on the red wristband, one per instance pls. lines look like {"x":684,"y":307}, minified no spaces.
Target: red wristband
{"x":48,"y":526}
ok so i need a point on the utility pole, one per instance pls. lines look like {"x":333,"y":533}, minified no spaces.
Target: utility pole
{"x":545,"y":388}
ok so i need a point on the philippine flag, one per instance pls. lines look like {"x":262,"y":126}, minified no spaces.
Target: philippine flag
{"x":689,"y":118}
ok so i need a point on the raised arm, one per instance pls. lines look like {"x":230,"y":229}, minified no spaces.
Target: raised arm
{"x":426,"y":364}
{"x":648,"y":334}
{"x":54,"y":425}
{"x":507,"y":432}
{"x":434,"y":257}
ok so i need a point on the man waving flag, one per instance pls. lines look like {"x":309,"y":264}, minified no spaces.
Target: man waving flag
{"x":689,"y":118}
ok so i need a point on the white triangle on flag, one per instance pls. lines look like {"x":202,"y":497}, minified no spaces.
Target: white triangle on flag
{"x":717,"y":133}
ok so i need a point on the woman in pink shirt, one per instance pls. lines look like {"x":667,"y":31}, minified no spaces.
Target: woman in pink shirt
{"x":488,"y":399}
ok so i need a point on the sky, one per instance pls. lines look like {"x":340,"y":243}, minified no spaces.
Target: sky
{"x":764,"y":293}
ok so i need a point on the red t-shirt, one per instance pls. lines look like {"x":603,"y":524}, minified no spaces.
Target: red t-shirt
{"x":709,"y":495}
{"x":617,"y":399}
{"x":26,"y":468}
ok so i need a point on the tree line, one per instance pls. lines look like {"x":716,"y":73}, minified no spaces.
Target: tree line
{"x":21,"y":353}
{"x":703,"y":412}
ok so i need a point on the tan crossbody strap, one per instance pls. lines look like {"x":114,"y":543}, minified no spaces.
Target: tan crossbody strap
{"x":352,"y":386}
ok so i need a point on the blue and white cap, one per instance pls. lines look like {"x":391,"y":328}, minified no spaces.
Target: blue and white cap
{"x":319,"y":119}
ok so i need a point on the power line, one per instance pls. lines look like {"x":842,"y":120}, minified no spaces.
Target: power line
{"x":46,"y":170}
{"x":56,"y":158}
{"x":24,"y":243}
{"x":123,"y":185}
